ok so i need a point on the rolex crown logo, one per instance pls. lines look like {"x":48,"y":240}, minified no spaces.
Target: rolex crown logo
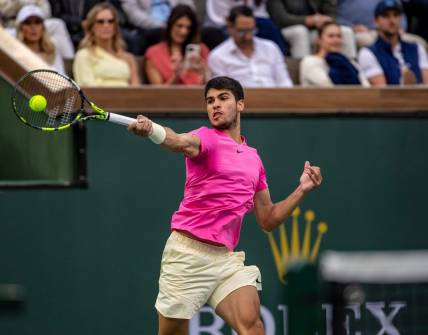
{"x":296,"y":249}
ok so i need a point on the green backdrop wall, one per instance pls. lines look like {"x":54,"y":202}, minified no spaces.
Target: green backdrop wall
{"x":89,"y":258}
{"x":30,"y":157}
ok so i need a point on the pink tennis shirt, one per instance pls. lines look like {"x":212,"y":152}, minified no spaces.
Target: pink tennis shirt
{"x":220,"y":186}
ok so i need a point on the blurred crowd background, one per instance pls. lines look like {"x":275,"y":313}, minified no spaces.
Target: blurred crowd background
{"x":261,"y":43}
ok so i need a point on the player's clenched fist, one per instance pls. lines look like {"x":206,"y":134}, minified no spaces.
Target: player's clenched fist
{"x":142,"y":126}
{"x":311,"y":177}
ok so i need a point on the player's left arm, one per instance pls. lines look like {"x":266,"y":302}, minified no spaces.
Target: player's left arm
{"x":269,"y":215}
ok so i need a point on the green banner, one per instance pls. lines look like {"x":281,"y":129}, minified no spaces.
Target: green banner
{"x":89,"y":259}
{"x":32,"y":157}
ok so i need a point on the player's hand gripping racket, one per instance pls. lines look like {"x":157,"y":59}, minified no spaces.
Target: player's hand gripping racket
{"x":49,"y":101}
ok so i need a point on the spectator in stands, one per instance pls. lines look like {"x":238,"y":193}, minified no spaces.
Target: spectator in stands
{"x":253,"y":61}
{"x":151,"y":16}
{"x":390,"y":60}
{"x":358,"y":14}
{"x":167,"y":63}
{"x":299,"y":21}
{"x":54,"y":26}
{"x":329,"y":67}
{"x":73,"y":12}
{"x":102,"y":59}
{"x":32,"y":32}
{"x":217,"y":11}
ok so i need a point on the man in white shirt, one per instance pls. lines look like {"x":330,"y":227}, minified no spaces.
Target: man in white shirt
{"x":390,"y":60}
{"x":253,"y":61}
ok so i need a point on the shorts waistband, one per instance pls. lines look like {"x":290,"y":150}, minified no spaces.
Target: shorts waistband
{"x":198,"y":245}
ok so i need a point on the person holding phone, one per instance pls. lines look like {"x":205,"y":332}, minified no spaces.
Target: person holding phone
{"x":180,"y":59}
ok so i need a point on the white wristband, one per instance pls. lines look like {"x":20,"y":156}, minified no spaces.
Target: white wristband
{"x":158,"y":134}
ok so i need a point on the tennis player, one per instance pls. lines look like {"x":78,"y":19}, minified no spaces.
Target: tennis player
{"x":225,"y":179}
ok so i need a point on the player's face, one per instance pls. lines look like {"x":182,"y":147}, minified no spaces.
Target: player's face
{"x":222,"y":108}
{"x":180,"y":30}
{"x":331,"y":39}
{"x":32,"y":29}
{"x":389,"y":23}
{"x":104,"y":26}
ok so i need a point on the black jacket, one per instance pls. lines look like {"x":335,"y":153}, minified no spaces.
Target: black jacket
{"x":284,"y":13}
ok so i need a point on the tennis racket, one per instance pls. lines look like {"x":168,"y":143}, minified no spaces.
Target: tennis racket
{"x":61,"y":103}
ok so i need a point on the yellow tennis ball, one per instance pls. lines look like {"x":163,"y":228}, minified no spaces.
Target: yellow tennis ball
{"x":37,"y":103}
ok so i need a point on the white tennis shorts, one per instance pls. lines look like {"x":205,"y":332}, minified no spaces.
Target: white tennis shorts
{"x":194,"y":273}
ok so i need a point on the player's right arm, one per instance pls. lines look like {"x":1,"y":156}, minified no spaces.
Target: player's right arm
{"x":269,"y":215}
{"x":186,"y":143}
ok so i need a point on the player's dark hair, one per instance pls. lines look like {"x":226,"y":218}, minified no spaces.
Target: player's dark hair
{"x":237,"y":11}
{"x":225,"y":83}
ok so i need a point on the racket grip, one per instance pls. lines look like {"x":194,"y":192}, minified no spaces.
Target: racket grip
{"x":120,"y":119}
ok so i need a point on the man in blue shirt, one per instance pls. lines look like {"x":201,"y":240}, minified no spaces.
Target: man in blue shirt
{"x":390,"y":60}
{"x":358,"y":14}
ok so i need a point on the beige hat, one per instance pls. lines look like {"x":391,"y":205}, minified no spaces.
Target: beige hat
{"x":28,"y":11}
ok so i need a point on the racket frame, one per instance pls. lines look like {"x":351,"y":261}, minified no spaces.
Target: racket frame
{"x":82,"y":115}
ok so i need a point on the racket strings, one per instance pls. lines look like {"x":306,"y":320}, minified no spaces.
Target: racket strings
{"x":62,"y":96}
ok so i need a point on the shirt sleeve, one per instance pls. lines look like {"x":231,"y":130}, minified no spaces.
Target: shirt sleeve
{"x":423,"y":59}
{"x":369,"y":64}
{"x":82,"y":69}
{"x":58,"y":63}
{"x":204,"y":52}
{"x":138,"y":15}
{"x":217,"y":11}
{"x":207,"y":138}
{"x":313,"y":73}
{"x":262,"y":185}
{"x":282,"y":77}
{"x":281,"y":16}
{"x":150,"y":52}
{"x":216,"y":64}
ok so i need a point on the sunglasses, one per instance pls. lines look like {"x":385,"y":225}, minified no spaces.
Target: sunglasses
{"x":104,"y":21}
{"x":242,"y":32}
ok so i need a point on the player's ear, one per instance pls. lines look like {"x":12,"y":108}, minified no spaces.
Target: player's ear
{"x":240,"y":105}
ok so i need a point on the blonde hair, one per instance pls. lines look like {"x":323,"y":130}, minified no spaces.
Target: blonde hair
{"x":47,"y":48}
{"x":88,"y":40}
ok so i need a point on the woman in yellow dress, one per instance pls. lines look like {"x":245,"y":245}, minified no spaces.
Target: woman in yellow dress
{"x":102,"y":59}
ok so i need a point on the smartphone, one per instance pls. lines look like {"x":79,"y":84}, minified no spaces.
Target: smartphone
{"x":192,"y":53}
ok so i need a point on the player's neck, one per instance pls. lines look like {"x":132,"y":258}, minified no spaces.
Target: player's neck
{"x":234,"y":132}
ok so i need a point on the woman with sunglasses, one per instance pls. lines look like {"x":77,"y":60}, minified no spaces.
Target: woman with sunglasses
{"x":102,"y":59}
{"x":32,"y":32}
{"x":179,"y":59}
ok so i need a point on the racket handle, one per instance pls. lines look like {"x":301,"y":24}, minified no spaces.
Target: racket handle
{"x":158,"y":134}
{"x":120,"y":119}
